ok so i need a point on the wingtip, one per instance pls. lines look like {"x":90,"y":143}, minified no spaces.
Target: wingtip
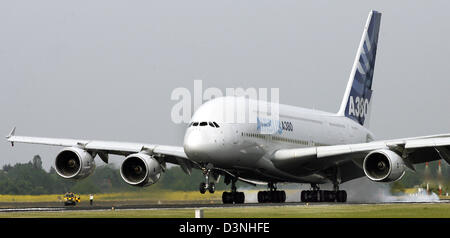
{"x":12,"y":133}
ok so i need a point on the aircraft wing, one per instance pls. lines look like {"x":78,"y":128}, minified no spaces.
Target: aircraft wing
{"x":164,"y":153}
{"x":413,"y":151}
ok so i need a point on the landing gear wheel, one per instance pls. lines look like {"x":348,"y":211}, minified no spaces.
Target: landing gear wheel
{"x":303,"y":197}
{"x":321,"y":196}
{"x":207,"y":186}
{"x":271,"y":196}
{"x":227,"y":198}
{"x":341,"y":196}
{"x":233,"y":197}
{"x":282,"y":196}
{"x":239,"y":197}
{"x":211,"y":187}
{"x":317,"y":195}
{"x":329,"y":196}
{"x":266,"y":196}
{"x":202,"y":188}
{"x":308,"y":196}
{"x":260,"y":197}
{"x":312,"y":196}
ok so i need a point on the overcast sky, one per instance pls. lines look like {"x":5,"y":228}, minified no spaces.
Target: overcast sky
{"x":106,"y":69}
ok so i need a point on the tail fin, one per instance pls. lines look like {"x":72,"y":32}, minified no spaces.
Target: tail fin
{"x":357,"y":98}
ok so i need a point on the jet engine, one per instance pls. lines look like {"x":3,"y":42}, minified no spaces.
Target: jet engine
{"x":140,"y":170}
{"x":74,"y":163}
{"x":383,"y":166}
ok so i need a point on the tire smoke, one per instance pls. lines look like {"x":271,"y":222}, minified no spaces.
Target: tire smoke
{"x":363,"y":190}
{"x":360,"y":190}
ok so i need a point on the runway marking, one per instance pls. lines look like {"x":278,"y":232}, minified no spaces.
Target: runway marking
{"x":31,"y":209}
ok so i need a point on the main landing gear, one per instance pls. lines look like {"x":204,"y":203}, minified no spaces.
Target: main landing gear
{"x":234,"y":196}
{"x":317,"y":195}
{"x":271,"y":196}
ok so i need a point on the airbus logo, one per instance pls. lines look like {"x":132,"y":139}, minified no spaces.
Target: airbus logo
{"x":358,"y":107}
{"x":268,"y":126}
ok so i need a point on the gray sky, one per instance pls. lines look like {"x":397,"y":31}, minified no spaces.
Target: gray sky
{"x":106,"y":69}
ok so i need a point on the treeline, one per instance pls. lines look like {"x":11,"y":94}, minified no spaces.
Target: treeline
{"x":433,"y":175}
{"x":31,"y":178}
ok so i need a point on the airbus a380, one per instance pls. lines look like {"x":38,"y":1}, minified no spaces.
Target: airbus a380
{"x":307,"y":146}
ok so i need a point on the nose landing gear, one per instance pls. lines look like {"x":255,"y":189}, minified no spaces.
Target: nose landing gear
{"x":210,"y":186}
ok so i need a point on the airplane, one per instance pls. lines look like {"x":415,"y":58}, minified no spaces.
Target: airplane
{"x":304,"y":146}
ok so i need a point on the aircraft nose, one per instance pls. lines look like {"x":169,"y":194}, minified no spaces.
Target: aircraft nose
{"x":196,"y":144}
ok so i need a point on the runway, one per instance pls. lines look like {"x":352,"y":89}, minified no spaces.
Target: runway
{"x":191,"y":206}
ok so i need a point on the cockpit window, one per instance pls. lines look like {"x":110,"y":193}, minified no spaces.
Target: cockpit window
{"x":204,"y":123}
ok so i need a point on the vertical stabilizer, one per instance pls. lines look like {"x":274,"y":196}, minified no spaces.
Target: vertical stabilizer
{"x":358,"y":94}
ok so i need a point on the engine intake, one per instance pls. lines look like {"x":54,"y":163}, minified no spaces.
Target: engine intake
{"x":74,"y":163}
{"x":140,"y":170}
{"x":383,"y":166}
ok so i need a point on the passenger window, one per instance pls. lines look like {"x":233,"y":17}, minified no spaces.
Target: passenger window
{"x":203,"y":123}
{"x":195,"y":124}
{"x":217,"y":125}
{"x":211,"y":124}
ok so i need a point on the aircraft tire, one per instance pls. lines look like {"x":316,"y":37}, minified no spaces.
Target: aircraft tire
{"x":211,"y":187}
{"x":282,"y":196}
{"x":227,"y":198}
{"x":321,"y":196}
{"x":233,"y":197}
{"x":239,"y":197}
{"x":260,"y":197}
{"x":202,"y":188}
{"x":341,"y":196}
{"x":303,"y":197}
{"x":329,"y":196}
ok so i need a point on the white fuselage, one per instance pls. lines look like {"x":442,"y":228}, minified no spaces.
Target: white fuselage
{"x":246,"y":147}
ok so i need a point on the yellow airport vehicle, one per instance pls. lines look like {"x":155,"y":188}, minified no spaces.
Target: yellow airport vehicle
{"x":71,"y":199}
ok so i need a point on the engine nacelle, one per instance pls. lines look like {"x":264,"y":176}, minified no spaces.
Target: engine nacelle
{"x":383,"y":166}
{"x":140,"y":170}
{"x":74,"y":163}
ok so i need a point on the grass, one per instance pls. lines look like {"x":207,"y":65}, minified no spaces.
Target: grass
{"x":340,"y":211}
{"x":436,"y":210}
{"x":148,"y":196}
